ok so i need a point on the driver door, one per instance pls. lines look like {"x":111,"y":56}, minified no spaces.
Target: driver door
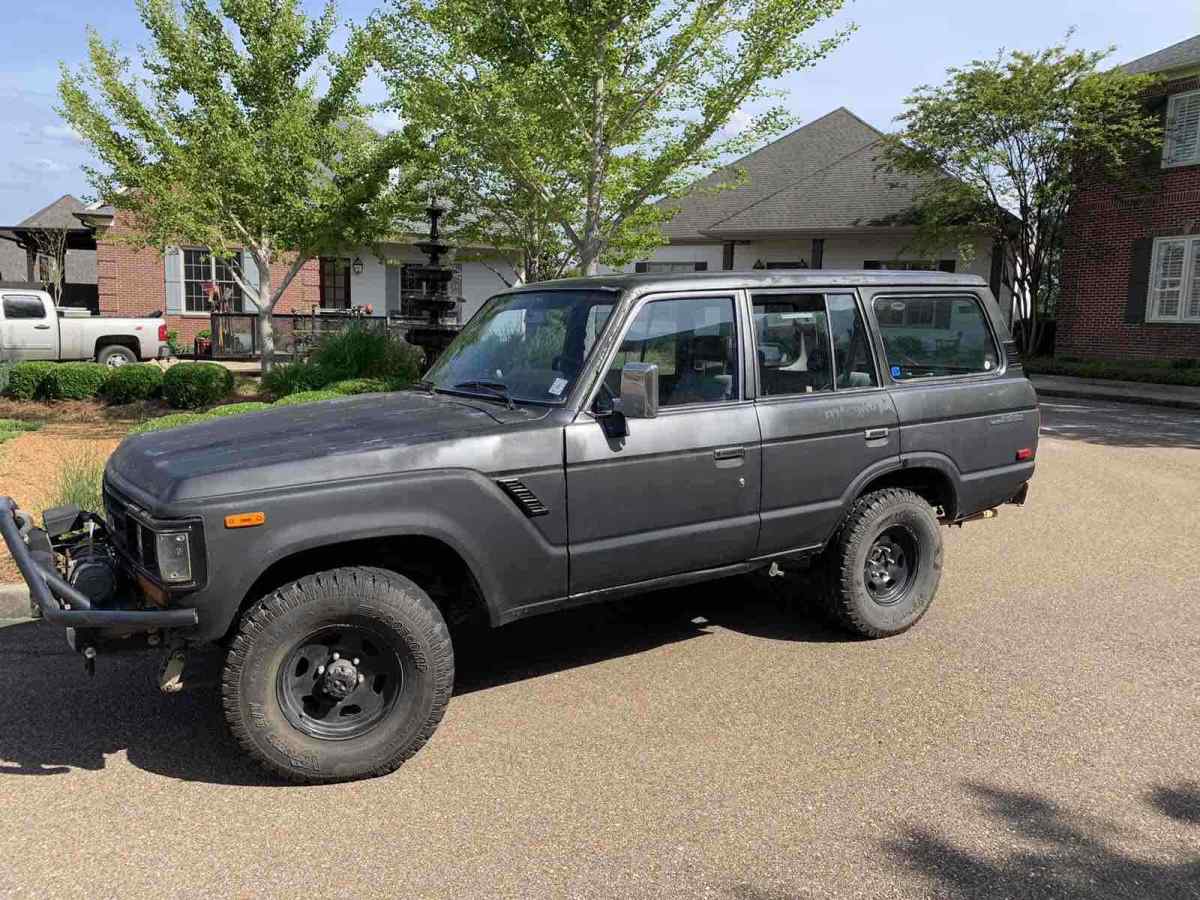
{"x":680,"y":493}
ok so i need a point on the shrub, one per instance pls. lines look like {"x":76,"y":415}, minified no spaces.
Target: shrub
{"x":307,"y":397}
{"x":174,"y":420}
{"x":25,"y":379}
{"x":237,"y":409}
{"x":360,"y":352}
{"x":293,"y":377}
{"x":79,"y":483}
{"x":74,"y":381}
{"x":129,"y":384}
{"x":360,"y":386}
{"x":193,"y":385}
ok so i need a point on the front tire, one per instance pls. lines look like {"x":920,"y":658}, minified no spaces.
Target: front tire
{"x":340,"y":675}
{"x":884,"y":565}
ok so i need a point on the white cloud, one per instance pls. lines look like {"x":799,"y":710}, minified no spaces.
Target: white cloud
{"x":39,"y":167}
{"x":60,"y":133}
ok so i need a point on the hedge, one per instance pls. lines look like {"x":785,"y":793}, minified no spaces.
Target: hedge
{"x":128,"y":384}
{"x":25,"y":379}
{"x":307,"y":397}
{"x":237,"y":409}
{"x":193,"y":385}
{"x":74,"y":381}
{"x":360,"y":386}
{"x":1177,"y":372}
{"x":174,"y":420}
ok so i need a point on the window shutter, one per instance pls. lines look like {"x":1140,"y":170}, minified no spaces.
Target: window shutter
{"x":1139,"y":281}
{"x":250,"y":273}
{"x":1192,"y":305}
{"x":639,"y":267}
{"x":173,"y":279}
{"x":701,"y":267}
{"x":391,"y":288}
{"x":1183,"y":129}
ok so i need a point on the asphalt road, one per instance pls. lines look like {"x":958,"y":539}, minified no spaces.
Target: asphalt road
{"x":1034,"y":736}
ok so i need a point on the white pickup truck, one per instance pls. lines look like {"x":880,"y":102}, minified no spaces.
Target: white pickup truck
{"x":31,"y":327}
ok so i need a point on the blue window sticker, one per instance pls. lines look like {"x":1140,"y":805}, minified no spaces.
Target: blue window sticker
{"x":895,"y":371}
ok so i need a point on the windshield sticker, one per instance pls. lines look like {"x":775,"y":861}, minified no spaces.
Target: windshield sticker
{"x":557,"y":387}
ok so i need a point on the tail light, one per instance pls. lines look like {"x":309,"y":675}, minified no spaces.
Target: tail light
{"x":162,"y":332}
{"x":1024,"y":454}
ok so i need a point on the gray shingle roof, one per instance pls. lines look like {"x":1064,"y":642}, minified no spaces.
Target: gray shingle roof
{"x":784,"y":162}
{"x":59,"y":214}
{"x":849,"y":192}
{"x":1177,"y":56}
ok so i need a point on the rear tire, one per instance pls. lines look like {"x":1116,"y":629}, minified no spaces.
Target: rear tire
{"x":883,"y":567}
{"x":116,"y":355}
{"x":340,"y":675}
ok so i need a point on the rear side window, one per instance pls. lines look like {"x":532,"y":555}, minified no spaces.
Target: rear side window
{"x":23,"y":306}
{"x":935,"y":336}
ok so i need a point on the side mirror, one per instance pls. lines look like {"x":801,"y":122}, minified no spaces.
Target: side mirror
{"x":639,"y":390}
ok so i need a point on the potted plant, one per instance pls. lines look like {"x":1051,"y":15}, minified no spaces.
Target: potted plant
{"x":204,"y":343}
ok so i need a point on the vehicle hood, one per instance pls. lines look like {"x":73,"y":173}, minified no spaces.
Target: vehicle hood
{"x":312,"y":443}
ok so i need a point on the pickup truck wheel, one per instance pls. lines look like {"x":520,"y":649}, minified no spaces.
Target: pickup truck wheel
{"x":341,"y":675}
{"x":116,"y":355}
{"x":883,"y":567}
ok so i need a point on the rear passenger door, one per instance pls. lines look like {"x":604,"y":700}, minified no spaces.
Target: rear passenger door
{"x":962,"y":404}
{"x":826,"y":422}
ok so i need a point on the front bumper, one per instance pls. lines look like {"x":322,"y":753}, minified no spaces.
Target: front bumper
{"x":60,"y":602}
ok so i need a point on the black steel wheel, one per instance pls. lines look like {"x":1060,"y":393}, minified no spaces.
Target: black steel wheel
{"x":340,"y":682}
{"x":891,"y":564}
{"x":340,"y":675}
{"x":882,"y":569}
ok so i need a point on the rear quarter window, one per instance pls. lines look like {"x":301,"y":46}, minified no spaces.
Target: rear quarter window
{"x":936,"y":336}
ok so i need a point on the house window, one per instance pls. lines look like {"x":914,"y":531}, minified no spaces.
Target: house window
{"x":912,"y":265}
{"x":1175,"y":281}
{"x":660,"y":268}
{"x":335,"y":283}
{"x":201,"y":271}
{"x":1182,"y":144}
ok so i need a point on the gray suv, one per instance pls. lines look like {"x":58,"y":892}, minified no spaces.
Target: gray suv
{"x":580,"y":440}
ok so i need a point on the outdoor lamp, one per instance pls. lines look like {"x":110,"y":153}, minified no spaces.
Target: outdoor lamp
{"x":357,"y":265}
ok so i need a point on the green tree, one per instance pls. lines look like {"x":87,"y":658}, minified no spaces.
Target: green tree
{"x":222,"y":136}
{"x":575,"y":113}
{"x":1000,"y":146}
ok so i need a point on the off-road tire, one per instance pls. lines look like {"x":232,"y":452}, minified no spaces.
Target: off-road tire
{"x":283,"y":619}
{"x":115,"y":356}
{"x":848,"y":600}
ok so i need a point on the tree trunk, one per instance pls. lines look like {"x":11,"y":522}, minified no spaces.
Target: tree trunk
{"x":266,"y":305}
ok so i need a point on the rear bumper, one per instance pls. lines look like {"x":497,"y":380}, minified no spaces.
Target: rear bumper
{"x":62,"y":604}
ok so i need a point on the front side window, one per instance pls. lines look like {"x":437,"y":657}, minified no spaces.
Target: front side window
{"x":693,"y":342}
{"x":935,"y":336}
{"x":1175,"y":281}
{"x":528,"y":346}
{"x":1181,"y":146}
{"x":23,"y":306}
{"x":209,"y":281}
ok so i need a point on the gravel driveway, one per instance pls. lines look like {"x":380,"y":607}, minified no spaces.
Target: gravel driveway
{"x":1036,"y":735}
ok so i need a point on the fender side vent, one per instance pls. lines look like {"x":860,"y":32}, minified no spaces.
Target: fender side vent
{"x":1012,"y":354}
{"x":526,"y":499}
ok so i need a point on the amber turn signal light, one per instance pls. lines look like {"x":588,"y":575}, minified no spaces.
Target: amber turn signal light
{"x":245,"y":520}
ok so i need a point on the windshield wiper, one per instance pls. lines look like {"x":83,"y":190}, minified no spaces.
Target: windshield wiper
{"x":498,"y":389}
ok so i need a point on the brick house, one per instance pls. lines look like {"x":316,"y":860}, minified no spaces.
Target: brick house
{"x":139,"y":282}
{"x":1131,"y":264}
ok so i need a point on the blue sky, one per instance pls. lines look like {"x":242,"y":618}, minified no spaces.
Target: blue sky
{"x":899,"y":44}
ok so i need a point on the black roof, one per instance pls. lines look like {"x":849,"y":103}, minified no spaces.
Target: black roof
{"x":763,"y":278}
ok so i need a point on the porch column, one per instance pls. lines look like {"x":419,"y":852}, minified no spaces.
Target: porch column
{"x":818,"y":253}
{"x":30,"y":264}
{"x":727,"y":256}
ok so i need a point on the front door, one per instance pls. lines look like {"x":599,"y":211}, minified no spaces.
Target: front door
{"x":27,"y":330}
{"x":826,"y":423}
{"x":680,"y":493}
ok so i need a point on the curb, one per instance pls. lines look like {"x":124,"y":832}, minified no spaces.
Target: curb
{"x":14,"y":601}
{"x":1136,"y":400}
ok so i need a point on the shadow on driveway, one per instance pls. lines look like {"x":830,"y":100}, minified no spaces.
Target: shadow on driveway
{"x":54,"y":718}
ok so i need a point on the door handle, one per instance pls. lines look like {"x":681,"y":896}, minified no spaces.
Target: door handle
{"x":729,"y":453}
{"x":875,"y":434}
{"x":42,"y":327}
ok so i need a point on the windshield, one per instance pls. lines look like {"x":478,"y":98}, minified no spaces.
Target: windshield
{"x":528,"y":346}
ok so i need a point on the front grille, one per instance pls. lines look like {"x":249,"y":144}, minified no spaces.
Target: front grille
{"x":132,"y":537}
